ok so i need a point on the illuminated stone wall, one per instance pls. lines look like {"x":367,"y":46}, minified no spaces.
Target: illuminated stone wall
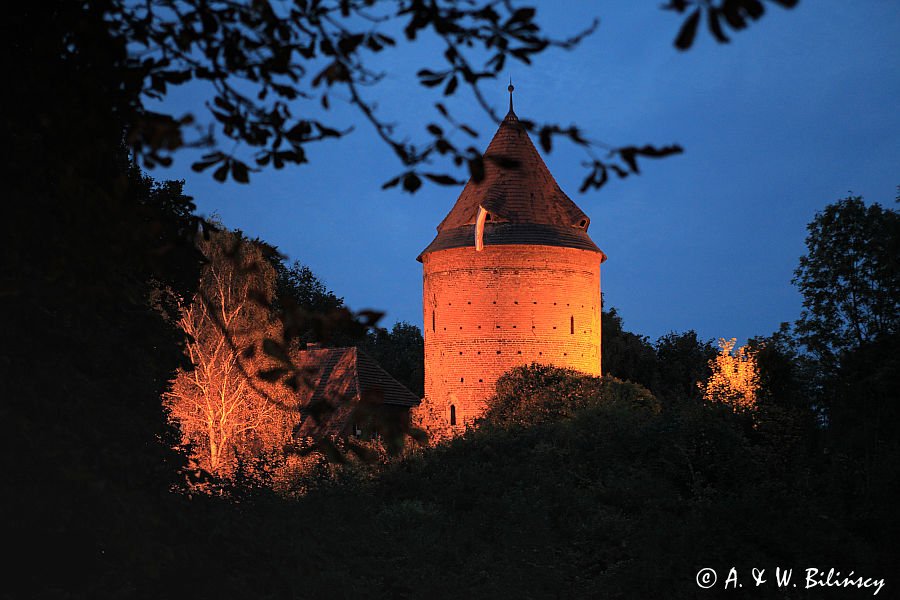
{"x":488,"y":311}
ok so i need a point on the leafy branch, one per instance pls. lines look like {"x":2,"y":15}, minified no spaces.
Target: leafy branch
{"x":732,"y":14}
{"x":271,"y":68}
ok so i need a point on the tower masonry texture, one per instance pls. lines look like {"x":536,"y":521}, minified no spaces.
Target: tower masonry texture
{"x":511,"y":278}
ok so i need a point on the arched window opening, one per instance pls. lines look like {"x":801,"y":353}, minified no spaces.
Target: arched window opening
{"x":452,"y":415}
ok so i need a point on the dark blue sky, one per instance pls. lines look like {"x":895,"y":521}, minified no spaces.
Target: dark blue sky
{"x":797,"y":112}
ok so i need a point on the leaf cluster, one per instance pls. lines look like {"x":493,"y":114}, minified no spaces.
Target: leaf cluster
{"x":733,"y":14}
{"x":264,"y":61}
{"x":273,"y":69}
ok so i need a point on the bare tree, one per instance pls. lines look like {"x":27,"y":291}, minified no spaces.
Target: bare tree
{"x":221,"y":412}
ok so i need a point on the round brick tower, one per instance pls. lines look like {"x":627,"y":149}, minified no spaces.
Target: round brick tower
{"x":511,"y":278}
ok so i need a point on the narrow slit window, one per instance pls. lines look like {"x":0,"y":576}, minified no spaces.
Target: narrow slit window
{"x":572,"y":325}
{"x":432,"y":320}
{"x":452,"y":415}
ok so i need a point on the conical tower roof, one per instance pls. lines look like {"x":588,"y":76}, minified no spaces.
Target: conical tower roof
{"x":523,"y":202}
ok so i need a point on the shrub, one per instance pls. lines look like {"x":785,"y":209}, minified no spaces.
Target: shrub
{"x":535,"y":394}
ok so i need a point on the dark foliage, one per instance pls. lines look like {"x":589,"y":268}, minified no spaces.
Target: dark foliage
{"x":271,"y":71}
{"x":539,"y":394}
{"x":787,"y":375}
{"x":670,"y":369}
{"x":627,"y":355}
{"x":312,"y":313}
{"x":683,"y":361}
{"x":573,"y":487}
{"x":594,"y":495}
{"x":731,"y":14}
{"x":94,"y":255}
{"x":400,"y":352}
{"x":849,"y":278}
{"x":301,"y":286}
{"x":850,"y":283}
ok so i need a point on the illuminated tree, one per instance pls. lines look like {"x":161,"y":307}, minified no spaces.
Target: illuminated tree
{"x":220,"y":410}
{"x":735,"y":377}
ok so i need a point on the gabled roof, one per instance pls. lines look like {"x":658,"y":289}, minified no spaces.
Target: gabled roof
{"x":524,"y":197}
{"x":342,"y":378}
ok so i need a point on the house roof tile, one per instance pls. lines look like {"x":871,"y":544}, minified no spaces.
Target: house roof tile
{"x":340,"y":379}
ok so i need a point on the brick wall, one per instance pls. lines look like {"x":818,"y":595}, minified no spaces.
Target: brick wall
{"x":489,"y":311}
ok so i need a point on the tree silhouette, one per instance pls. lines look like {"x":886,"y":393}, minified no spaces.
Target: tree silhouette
{"x":400,"y":352}
{"x":849,"y":278}
{"x":733,"y":14}
{"x":850,"y":284}
{"x":271,"y":72}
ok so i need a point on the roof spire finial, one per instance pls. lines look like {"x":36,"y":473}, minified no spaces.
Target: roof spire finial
{"x":511,"y":88}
